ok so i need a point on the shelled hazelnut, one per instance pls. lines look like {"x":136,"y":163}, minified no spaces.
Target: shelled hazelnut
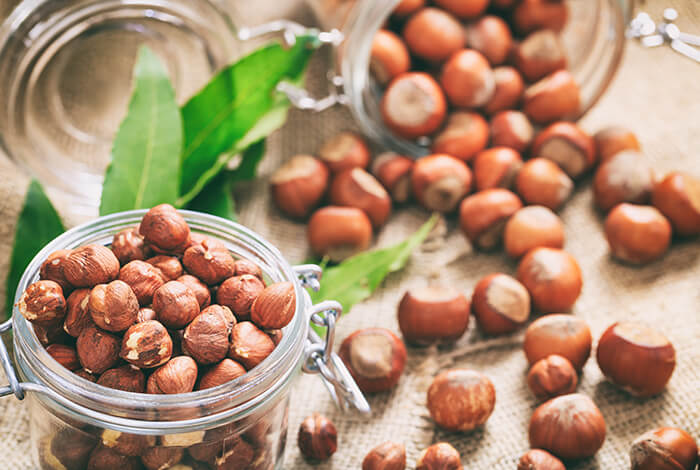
{"x":209,"y":260}
{"x":146,"y":314}
{"x":440,"y":182}
{"x":317,"y":437}
{"x":97,"y":350}
{"x":491,"y":36}
{"x":677,"y":196}
{"x":125,"y":378}
{"x":206,"y":338}
{"x":496,"y":167}
{"x":389,"y":56}
{"x":556,"y":96}
{"x":542,"y":182}
{"x":344,"y":151}
{"x":90,"y":265}
{"x":160,"y":458}
{"x":386,"y":456}
{"x":238,"y":293}
{"x":637,"y":234}
{"x":65,"y":355}
{"x":433,"y":34}
{"x":104,"y":458}
{"x":537,"y":459}
{"x":66,"y":448}
{"x":170,"y":266}
{"x":461,"y":399}
{"x":611,"y":140}
{"x":567,"y":145}
{"x":299,"y":185}
{"x":553,"y":278}
{"x":500,"y":304}
{"x":42,"y":302}
{"x":433,"y":314}
{"x":552,"y":376}
{"x":511,"y":129}
{"x":440,"y":456}
{"x":128,"y":245}
{"x":532,"y":227}
{"x":624,"y":177}
{"x":244,"y":266}
{"x":165,"y":230}
{"x":198,"y":288}
{"x":483,"y":215}
{"x":123,"y":443}
{"x":52,"y":270}
{"x":357,"y":188}
{"x":464,"y":135}
{"x":274,"y":307}
{"x":114,"y":306}
{"x":339,"y":232}
{"x":221,"y":373}
{"x":539,"y":54}
{"x":143,"y":278}
{"x":561,"y":334}
{"x":375,"y":358}
{"x":413,"y":105}
{"x":249,"y":345}
{"x":146,"y":344}
{"x":175,"y":304}
{"x":394,"y":172}
{"x":532,"y":15}
{"x":467,"y":79}
{"x":664,"y":449}
{"x":178,"y":375}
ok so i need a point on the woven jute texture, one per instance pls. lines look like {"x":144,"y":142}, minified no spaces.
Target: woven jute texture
{"x":657,"y":94}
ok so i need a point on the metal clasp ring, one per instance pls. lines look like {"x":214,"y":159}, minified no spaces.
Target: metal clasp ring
{"x":15,"y":386}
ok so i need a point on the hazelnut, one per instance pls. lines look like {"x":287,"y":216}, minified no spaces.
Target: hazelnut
{"x":440,"y":182}
{"x":161,"y":458}
{"x":65,"y":355}
{"x":146,"y":314}
{"x":465,"y":135}
{"x":500,"y":304}
{"x":249,"y":345}
{"x":170,"y":266}
{"x":511,"y":129}
{"x":238,"y":293}
{"x":614,"y":139}
{"x":623,"y":178}
{"x":467,"y":79}
{"x":637,"y":234}
{"x":542,"y":182}
{"x":431,"y":314}
{"x":97,"y":350}
{"x":275,"y":335}
{"x":82,"y":373}
{"x":677,"y":196}
{"x":408,"y":7}
{"x":357,"y":188}
{"x":556,"y":96}
{"x":537,"y":459}
{"x":553,"y":278}
{"x":178,"y":375}
{"x":386,"y":456}
{"x":509,"y":90}
{"x":175,"y":304}
{"x":165,"y":229}
{"x":275,"y":306}
{"x":375,"y":358}
{"x":78,"y":315}
{"x":440,"y":456}
{"x":126,"y":378}
{"x":206,"y":338}
{"x":221,"y":373}
{"x":389,"y":57}
{"x":143,"y":278}
{"x":532,"y":227}
{"x":198,"y":288}
{"x":146,"y":344}
{"x":239,"y":455}
{"x":210,"y":261}
{"x":413,"y":105}
{"x":568,"y":146}
{"x":90,"y":265}
{"x":491,"y":36}
{"x":483,"y":215}
{"x":66,"y":449}
{"x":126,"y":444}
{"x":433,"y":34}
{"x":496,"y":167}
{"x":532,"y":15}
{"x":339,"y":232}
{"x":244,"y":266}
{"x":564,"y":335}
{"x":299,"y":185}
{"x":42,"y":302}
{"x":570,"y":427}
{"x":552,"y":376}
{"x":128,"y":245}
{"x":540,"y":54}
{"x":344,"y":151}
{"x":104,"y":458}
{"x":114,"y":306}
{"x":664,"y":449}
{"x":394,"y":172}
{"x":52,"y":332}
{"x":637,"y":358}
{"x":317,"y":438}
{"x":469,"y":9}
{"x":461,"y":399}
{"x":52,"y":270}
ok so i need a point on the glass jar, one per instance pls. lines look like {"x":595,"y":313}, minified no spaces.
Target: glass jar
{"x":238,"y":425}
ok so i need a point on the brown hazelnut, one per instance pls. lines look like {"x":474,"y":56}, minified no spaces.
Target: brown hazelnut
{"x":664,"y":449}
{"x":339,"y":232}
{"x":90,"y":265}
{"x":491,"y":36}
{"x":556,"y":96}
{"x":206,"y":338}
{"x":239,"y":455}
{"x":238,"y":293}
{"x":128,"y":245}
{"x":317,"y":438}
{"x":66,"y":449}
{"x":394,"y":172}
{"x":170,"y":266}
{"x":496,"y":167}
{"x":389,"y":57}
{"x":532,"y":227}
{"x":464,"y":9}
{"x":78,"y":317}
{"x":175,"y":304}
{"x":65,"y":355}
{"x":537,"y":459}
{"x":467,"y":79}
{"x":440,"y":182}
{"x":86,"y":375}
{"x":500,"y":304}
{"x":114,"y":306}
{"x":178,"y":375}
{"x":42,"y":302}
{"x":532,"y":15}
{"x":126,"y":378}
{"x":146,"y":344}
{"x":611,"y":140}
{"x":198,"y":288}
{"x":483,"y":215}
{"x":146,"y":314}
{"x":509,"y":90}
{"x":461,"y":399}
{"x":623,"y":178}
{"x":275,"y":306}
{"x":357,"y":188}
{"x":244,"y":266}
{"x":249,"y":345}
{"x":552,"y":376}
{"x":539,"y":54}
{"x":413,"y":105}
{"x":386,"y":456}
{"x":210,"y":261}
{"x":568,"y":146}
{"x":677,"y":196}
{"x":431,"y":314}
{"x":408,"y":7}
{"x":375,"y":358}
{"x":161,"y":458}
{"x":275,"y":335}
{"x":52,"y":332}
{"x":143,"y":278}
{"x":637,"y":358}
{"x":433,"y":34}
{"x":564,"y":335}
{"x":97,"y":350}
{"x":52,"y":270}
{"x":465,"y":135}
{"x":221,"y":373}
{"x":553,"y":278}
{"x":299,"y":185}
{"x":511,"y":129}
{"x":165,"y":229}
{"x":542,"y":182}
{"x":637,"y":234}
{"x":104,"y":458}
{"x":125,"y":443}
{"x":570,"y":427}
{"x":440,"y":456}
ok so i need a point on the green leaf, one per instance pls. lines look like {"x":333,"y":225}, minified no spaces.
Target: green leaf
{"x":37,"y":225}
{"x":250,"y":160}
{"x":216,"y":198}
{"x":145,"y":167}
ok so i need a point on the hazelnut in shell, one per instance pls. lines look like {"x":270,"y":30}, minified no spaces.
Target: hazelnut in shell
{"x":165,"y":229}
{"x":299,"y":185}
{"x":539,"y":54}
{"x":175,"y":304}
{"x":52,"y":270}
{"x":339,"y":232}
{"x":386,"y":456}
{"x":483,"y":215}
{"x":78,"y":317}
{"x":625,"y":177}
{"x":542,"y":182}
{"x":440,"y":182}
{"x":556,"y":96}
{"x":249,"y":345}
{"x":664,"y":449}
{"x":178,"y":375}
{"x":637,"y":234}
{"x":677,"y":196}
{"x":552,"y":376}
{"x":491,"y":36}
{"x":408,"y":7}
{"x":238,"y":293}
{"x":532,"y":227}
{"x":500,"y":304}
{"x":42,"y":302}
{"x":509,"y":90}
{"x":125,"y":378}
{"x":357,"y":188}
{"x":567,"y":145}
{"x":221,"y":373}
{"x":561,"y":334}
{"x":143,"y":278}
{"x":538,"y":459}
{"x":461,"y":399}
{"x":393,"y":171}
{"x":512,"y":129}
{"x":170,"y":266}
{"x":468,"y":9}
{"x":97,"y":350}
{"x":467,"y":79}
{"x":344,"y":151}
{"x":210,"y":261}
{"x":611,"y":140}
{"x":533,"y":15}
{"x":465,"y":135}
{"x":553,"y":278}
{"x":389,"y":56}
{"x":128,"y":245}
{"x":375,"y":357}
{"x":275,"y":306}
{"x":440,"y":456}
{"x":413,"y":105}
{"x":433,"y":34}
{"x":317,"y":437}
{"x":433,"y":314}
{"x":90,"y":265}
{"x":146,"y":344}
{"x":496,"y":167}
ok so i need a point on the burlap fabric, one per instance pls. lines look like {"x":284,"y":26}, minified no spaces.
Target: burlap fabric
{"x":657,"y":94}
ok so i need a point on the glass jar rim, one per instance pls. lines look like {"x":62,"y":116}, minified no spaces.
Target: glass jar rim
{"x":235,"y":399}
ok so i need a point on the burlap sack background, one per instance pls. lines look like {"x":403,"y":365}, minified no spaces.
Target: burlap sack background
{"x":657,"y":94}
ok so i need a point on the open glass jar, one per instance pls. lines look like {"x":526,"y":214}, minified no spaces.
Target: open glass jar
{"x":238,"y":425}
